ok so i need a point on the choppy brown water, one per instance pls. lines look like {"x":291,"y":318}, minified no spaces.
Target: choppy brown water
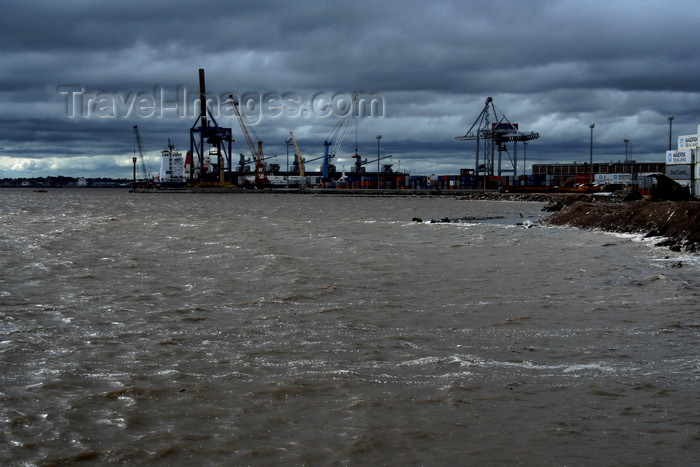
{"x":315,"y":330}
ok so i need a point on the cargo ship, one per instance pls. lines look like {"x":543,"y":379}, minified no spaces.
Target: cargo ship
{"x":172,"y":168}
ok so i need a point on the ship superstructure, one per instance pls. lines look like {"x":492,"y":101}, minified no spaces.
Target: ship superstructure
{"x":172,"y":167}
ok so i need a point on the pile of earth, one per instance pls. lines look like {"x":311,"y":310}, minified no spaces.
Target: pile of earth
{"x":678,"y":222}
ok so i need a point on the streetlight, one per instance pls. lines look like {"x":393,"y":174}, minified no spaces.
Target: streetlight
{"x":670,"y":129}
{"x":591,"y":126}
{"x":134,"y":161}
{"x":379,"y":138}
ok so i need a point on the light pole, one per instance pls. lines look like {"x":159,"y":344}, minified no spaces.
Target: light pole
{"x":590,"y":163}
{"x":134,"y":161}
{"x":670,"y":129}
{"x":379,"y":138}
{"x":524,"y":157}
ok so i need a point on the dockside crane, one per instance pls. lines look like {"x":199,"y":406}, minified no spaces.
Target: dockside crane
{"x":206,"y":131}
{"x":300,"y":162}
{"x":300,"y":159}
{"x":260,"y":169}
{"x":139,"y":144}
{"x":334,"y":140}
{"x":359,"y":163}
{"x":495,"y":135}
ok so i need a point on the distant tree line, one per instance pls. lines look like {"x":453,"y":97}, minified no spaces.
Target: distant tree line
{"x":61,"y":181}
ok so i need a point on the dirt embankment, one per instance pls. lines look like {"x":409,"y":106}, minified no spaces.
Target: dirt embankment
{"x":677,"y":221}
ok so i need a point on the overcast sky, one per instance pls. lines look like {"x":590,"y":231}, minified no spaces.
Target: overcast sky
{"x":553,"y":66}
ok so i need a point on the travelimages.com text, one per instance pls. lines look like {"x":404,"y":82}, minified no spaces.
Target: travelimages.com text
{"x":253,"y":106}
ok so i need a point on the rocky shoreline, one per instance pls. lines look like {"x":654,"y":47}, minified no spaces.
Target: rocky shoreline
{"x":678,"y":222}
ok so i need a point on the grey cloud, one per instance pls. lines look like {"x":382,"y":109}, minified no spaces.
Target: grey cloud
{"x":554,"y":66}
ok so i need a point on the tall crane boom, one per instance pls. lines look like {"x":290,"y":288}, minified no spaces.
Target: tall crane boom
{"x":139,"y":144}
{"x":244,"y":129}
{"x":302,"y":169}
{"x":340,"y":136}
{"x":335,"y":139}
{"x":260,"y":169}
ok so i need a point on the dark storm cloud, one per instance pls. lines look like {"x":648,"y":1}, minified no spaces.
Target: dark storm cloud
{"x":553,"y":66}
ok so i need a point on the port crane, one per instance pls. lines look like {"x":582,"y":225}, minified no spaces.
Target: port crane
{"x":495,"y":135}
{"x":139,"y":143}
{"x":300,"y":160}
{"x":359,"y":163}
{"x":334,"y":140}
{"x":242,"y":167}
{"x":208,"y":132}
{"x":260,"y":169}
{"x":300,"y":163}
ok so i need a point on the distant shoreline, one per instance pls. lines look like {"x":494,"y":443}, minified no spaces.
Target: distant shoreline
{"x":457,"y":193}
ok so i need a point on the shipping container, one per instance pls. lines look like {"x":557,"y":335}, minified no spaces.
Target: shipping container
{"x":679,"y":172}
{"x":613,"y":178}
{"x":688,"y":141}
{"x":680,"y":156}
{"x":583,"y":179}
{"x":470,"y":182}
{"x":538,"y":179}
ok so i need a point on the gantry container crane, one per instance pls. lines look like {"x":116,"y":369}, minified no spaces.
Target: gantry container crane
{"x":495,"y":135}
{"x":207,"y":131}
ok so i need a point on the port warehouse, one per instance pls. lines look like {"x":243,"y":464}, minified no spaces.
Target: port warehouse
{"x":557,"y":174}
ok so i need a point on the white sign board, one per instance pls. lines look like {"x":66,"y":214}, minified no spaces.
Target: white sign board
{"x":681,"y":156}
